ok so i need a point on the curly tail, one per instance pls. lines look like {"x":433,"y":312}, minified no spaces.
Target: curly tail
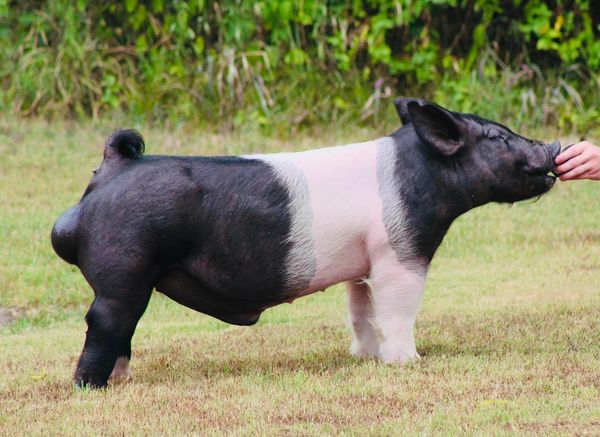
{"x":128,"y":143}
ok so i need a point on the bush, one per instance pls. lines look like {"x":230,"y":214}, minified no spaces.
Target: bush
{"x":265,"y":62}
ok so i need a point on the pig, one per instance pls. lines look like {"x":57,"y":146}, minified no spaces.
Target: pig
{"x":232,"y":236}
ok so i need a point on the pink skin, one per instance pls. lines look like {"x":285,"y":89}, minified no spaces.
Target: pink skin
{"x":347,"y":224}
{"x":364,"y":342}
{"x":351,"y":244}
{"x":342,"y":184}
{"x":580,"y":161}
{"x":396,"y":298}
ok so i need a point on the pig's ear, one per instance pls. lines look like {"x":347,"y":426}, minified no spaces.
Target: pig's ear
{"x":401,"y":104}
{"x":438,"y":128}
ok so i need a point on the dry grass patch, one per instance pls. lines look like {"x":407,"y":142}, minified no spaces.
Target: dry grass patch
{"x":275,"y":379}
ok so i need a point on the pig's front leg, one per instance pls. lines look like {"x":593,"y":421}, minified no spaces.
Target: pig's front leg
{"x":396,"y":295}
{"x":364,"y":341}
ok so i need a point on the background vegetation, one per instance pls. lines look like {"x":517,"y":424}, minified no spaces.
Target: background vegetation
{"x":282,"y":63}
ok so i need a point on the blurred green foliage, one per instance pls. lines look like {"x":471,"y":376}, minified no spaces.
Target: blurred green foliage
{"x":235,"y":62}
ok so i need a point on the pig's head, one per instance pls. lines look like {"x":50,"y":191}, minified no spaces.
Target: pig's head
{"x":495,"y":163}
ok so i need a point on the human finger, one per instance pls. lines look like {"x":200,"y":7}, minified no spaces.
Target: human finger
{"x":591,"y":172}
{"x":577,"y":173}
{"x":571,"y":164}
{"x":569,"y":153}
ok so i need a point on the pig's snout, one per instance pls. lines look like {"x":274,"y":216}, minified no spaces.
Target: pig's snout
{"x":554,"y":149}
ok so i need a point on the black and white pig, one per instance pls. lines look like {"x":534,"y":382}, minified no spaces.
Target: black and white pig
{"x":233,"y":236}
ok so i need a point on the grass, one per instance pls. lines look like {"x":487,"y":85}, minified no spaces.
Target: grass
{"x":508,"y":331}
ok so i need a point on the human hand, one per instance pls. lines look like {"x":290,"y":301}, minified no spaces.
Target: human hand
{"x":580,"y":161}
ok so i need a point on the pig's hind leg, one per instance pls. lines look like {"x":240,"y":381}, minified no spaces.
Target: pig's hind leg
{"x":364,"y":339}
{"x":397,"y":293}
{"x":122,"y":295}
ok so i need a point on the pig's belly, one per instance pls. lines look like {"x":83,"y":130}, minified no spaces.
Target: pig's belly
{"x":345,"y":261}
{"x":343,"y":228}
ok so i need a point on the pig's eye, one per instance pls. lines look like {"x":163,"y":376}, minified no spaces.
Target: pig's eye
{"x":95,"y":171}
{"x":494,"y":134}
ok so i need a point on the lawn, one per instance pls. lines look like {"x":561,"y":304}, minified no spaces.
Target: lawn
{"x":508,"y":332}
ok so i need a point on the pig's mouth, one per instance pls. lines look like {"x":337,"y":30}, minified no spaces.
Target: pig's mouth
{"x":543,"y":178}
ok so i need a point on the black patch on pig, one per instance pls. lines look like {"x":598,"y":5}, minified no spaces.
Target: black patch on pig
{"x":225,"y":223}
{"x":448,"y":163}
{"x":211,"y":233}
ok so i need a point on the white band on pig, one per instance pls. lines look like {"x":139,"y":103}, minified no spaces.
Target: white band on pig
{"x":300,"y":263}
{"x":394,"y":212}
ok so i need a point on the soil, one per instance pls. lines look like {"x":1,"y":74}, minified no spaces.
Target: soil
{"x":6,"y":316}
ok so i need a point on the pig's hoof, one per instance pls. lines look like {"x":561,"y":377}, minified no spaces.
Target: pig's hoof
{"x":398,"y":357}
{"x":362,"y":350}
{"x":84,"y":384}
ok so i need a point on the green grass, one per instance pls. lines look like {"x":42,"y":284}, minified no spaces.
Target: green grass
{"x":509,"y":330}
